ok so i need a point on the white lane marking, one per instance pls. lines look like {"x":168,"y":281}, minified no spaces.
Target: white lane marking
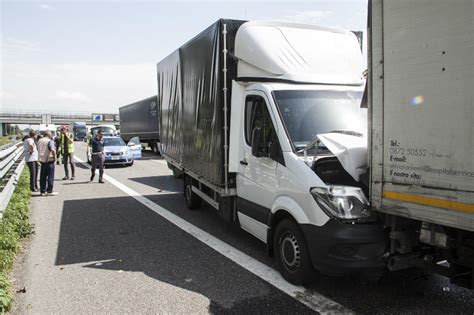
{"x":311,"y":299}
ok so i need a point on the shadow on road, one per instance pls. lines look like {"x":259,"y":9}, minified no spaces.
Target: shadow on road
{"x":122,"y":234}
{"x":76,"y":183}
{"x":81,"y":165}
{"x":166,"y":183}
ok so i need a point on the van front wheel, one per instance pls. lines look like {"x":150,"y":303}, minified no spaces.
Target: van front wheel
{"x":291,"y":253}
{"x":193,"y":201}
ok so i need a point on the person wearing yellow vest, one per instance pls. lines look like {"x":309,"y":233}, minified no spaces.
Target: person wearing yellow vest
{"x":67,"y":150}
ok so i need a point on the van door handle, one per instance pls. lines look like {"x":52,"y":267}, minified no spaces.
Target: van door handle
{"x":243,"y":162}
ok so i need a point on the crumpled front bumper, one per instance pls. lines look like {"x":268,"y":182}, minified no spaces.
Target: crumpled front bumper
{"x":339,"y":248}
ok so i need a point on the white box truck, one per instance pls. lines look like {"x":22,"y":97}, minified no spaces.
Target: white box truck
{"x":263,"y":122}
{"x":422,"y":132}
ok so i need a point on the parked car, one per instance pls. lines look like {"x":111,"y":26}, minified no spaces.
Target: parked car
{"x":117,"y":152}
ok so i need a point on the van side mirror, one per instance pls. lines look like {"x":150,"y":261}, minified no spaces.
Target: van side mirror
{"x":274,"y":150}
{"x":257,"y":142}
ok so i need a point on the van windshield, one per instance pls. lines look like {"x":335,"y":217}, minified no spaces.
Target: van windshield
{"x":307,"y":113}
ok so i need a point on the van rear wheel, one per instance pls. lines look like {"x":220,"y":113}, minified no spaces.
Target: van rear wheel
{"x":154,"y":147}
{"x":193,"y":201}
{"x":291,"y":253}
{"x":177,"y":173}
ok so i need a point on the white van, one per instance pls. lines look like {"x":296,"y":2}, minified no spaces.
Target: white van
{"x":266,"y":126}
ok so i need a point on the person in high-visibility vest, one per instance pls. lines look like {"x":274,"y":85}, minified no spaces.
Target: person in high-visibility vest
{"x":67,"y":150}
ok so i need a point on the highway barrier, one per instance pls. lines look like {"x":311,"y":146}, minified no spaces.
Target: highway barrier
{"x":11,"y":165}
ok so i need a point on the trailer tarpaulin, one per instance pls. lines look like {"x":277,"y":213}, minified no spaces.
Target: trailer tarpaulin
{"x":191,"y":100}
{"x":170,"y":104}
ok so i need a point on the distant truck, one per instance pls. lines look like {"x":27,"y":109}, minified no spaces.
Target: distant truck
{"x":79,"y":130}
{"x":422,"y":136}
{"x":140,"y":119}
{"x":263,"y":121}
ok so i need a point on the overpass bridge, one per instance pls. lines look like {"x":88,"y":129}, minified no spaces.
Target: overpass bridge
{"x":58,"y":118}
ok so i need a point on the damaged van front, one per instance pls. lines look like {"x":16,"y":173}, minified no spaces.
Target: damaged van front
{"x":298,"y":148}
{"x":326,"y":129}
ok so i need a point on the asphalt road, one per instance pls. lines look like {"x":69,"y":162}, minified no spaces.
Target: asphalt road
{"x":97,"y":249}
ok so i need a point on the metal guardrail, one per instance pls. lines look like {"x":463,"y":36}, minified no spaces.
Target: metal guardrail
{"x":11,"y":166}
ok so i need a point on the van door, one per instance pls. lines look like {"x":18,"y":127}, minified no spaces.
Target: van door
{"x":257,"y":177}
{"x":135,"y":147}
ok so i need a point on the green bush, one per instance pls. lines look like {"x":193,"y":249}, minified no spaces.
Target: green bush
{"x":13,"y":226}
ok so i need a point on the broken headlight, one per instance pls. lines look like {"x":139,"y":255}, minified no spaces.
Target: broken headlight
{"x":342,"y":202}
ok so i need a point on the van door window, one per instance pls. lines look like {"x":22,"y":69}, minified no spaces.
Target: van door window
{"x":257,"y":116}
{"x":134,"y":141}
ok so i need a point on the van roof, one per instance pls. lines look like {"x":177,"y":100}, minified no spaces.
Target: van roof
{"x":298,"y":53}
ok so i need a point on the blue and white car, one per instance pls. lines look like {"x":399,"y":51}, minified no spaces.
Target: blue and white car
{"x":117,"y":152}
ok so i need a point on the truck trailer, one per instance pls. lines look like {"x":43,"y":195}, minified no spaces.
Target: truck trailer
{"x":140,"y":119}
{"x":263,"y":121}
{"x":421,"y":65}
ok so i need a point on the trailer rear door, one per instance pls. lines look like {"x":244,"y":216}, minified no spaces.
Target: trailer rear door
{"x":422,"y":116}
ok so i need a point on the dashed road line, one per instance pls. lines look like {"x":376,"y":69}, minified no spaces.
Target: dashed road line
{"x":313,"y":300}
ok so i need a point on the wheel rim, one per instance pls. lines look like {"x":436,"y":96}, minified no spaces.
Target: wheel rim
{"x":290,"y":251}
{"x":188,"y":192}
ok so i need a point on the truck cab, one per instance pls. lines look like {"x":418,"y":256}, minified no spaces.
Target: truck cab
{"x":298,"y":146}
{"x":280,"y":149}
{"x":79,"y":130}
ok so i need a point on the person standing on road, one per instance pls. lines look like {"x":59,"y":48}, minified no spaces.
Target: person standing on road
{"x":88,"y":143}
{"x":67,"y":149}
{"x":31,"y":158}
{"x":57,"y":144}
{"x":47,"y":157}
{"x":98,"y":155}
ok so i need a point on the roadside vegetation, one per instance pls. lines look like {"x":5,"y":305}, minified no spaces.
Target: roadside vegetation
{"x":13,"y":227}
{"x":5,"y":140}
{"x":8,"y":139}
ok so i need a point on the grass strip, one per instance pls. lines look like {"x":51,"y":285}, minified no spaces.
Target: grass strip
{"x":14,"y":226}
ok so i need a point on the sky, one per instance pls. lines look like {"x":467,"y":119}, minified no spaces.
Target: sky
{"x":95,"y":56}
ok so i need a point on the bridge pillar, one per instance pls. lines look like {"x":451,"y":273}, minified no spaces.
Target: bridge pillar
{"x":2,"y":129}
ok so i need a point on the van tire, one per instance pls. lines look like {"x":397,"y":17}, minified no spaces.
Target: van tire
{"x":291,"y":253}
{"x":193,"y":201}
{"x":154,"y":147}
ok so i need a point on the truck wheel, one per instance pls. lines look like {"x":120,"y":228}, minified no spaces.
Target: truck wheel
{"x":176,"y":173}
{"x":154,"y":147}
{"x":193,"y":201}
{"x":291,"y":253}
